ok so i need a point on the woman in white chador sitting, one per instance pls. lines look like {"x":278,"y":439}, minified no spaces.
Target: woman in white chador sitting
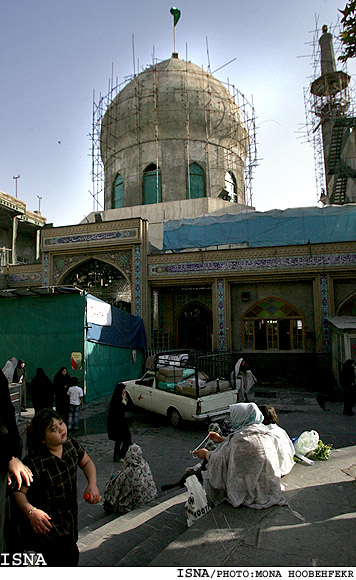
{"x":284,"y":445}
{"x":244,"y":468}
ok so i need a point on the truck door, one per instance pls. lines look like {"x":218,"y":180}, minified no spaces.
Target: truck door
{"x":143,"y":391}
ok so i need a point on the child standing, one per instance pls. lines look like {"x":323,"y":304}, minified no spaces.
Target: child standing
{"x":75,"y":394}
{"x":50,"y":504}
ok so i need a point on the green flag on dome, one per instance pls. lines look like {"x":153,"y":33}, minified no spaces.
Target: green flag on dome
{"x":176,"y":14}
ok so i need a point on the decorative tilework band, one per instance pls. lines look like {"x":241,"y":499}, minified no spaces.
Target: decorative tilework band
{"x":324,"y":297}
{"x":248,"y":264}
{"x":91,"y":237}
{"x":137,"y":281}
{"x":45,"y":269}
{"x":25,"y":278}
{"x":221,"y":314}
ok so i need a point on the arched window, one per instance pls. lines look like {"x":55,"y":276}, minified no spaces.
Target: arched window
{"x":117,"y":197}
{"x":195,"y":181}
{"x":152,"y":187}
{"x":231,"y":186}
{"x":273,"y":324}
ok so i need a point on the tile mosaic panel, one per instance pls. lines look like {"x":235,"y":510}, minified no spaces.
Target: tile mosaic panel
{"x":122,"y":260}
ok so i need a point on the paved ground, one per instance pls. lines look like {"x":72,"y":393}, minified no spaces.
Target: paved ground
{"x":317,"y":528}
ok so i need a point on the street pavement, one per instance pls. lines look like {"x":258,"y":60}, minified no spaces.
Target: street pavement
{"x":316,"y":528}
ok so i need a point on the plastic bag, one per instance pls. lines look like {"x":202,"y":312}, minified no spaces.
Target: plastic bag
{"x":307,"y":441}
{"x":196,"y":505}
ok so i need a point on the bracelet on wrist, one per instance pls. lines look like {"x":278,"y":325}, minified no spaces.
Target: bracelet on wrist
{"x":31,"y":511}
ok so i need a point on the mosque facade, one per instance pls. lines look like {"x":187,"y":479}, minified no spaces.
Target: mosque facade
{"x":174,"y":144}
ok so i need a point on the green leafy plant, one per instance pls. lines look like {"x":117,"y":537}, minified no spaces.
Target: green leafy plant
{"x":348,"y":33}
{"x":322,"y":452}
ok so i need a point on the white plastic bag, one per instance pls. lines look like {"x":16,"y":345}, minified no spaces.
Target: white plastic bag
{"x":307,"y":441}
{"x":196,"y":505}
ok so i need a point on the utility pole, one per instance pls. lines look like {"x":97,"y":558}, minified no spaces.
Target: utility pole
{"x":16,"y":177}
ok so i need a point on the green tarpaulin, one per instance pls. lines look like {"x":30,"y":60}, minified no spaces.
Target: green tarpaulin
{"x":45,"y":330}
{"x":109,"y":365}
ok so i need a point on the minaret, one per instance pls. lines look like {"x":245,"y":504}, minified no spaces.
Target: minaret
{"x":331,"y":103}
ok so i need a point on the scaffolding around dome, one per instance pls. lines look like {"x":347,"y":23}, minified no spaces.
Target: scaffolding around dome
{"x":176,"y":115}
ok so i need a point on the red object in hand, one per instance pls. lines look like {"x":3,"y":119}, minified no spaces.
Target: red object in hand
{"x":87,"y":496}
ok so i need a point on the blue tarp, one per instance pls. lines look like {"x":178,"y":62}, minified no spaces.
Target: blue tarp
{"x":125,"y":330}
{"x":288,"y":227}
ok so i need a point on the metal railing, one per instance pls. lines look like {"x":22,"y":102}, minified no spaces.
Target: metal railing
{"x":215,"y":369}
{"x":214,"y":363}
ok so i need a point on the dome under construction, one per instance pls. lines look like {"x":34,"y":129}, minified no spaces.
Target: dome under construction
{"x":174,"y":132}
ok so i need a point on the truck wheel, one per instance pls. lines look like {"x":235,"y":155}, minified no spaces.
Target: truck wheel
{"x":175,"y":418}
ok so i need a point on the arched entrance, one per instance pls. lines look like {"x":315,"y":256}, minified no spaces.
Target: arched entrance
{"x":348,"y":307}
{"x":103,"y":281}
{"x":195,"y":327}
{"x":344,"y":332}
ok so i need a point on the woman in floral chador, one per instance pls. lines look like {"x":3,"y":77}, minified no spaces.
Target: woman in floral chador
{"x":131,"y":487}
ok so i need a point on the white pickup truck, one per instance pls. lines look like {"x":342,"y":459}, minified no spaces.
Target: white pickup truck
{"x":173,"y":388}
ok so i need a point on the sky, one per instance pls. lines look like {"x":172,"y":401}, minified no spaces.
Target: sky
{"x":57,"y":56}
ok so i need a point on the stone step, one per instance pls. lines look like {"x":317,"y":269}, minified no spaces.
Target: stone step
{"x":136,"y":538}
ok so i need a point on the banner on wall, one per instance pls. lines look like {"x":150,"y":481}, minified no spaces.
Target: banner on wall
{"x":76,"y":361}
{"x":98,"y":312}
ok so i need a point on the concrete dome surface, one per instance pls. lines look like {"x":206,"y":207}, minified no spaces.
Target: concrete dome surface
{"x":171,"y":115}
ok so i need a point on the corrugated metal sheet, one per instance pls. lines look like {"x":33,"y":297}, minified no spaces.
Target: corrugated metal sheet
{"x":343,"y":322}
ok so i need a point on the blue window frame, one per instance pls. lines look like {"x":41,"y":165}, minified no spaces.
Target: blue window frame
{"x":152,"y":187}
{"x":118,"y":192}
{"x":195,"y":181}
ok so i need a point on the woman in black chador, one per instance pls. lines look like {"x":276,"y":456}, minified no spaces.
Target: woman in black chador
{"x":61,"y":384}
{"x":347,"y":381}
{"x":118,"y":429}
{"x":41,"y":390}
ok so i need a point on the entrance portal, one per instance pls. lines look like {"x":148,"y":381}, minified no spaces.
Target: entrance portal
{"x":195,"y":327}
{"x":103,"y":281}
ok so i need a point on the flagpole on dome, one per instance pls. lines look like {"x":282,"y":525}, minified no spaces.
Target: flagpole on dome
{"x":176,"y":16}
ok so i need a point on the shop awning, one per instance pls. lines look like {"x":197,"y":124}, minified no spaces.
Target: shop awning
{"x":343,"y":322}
